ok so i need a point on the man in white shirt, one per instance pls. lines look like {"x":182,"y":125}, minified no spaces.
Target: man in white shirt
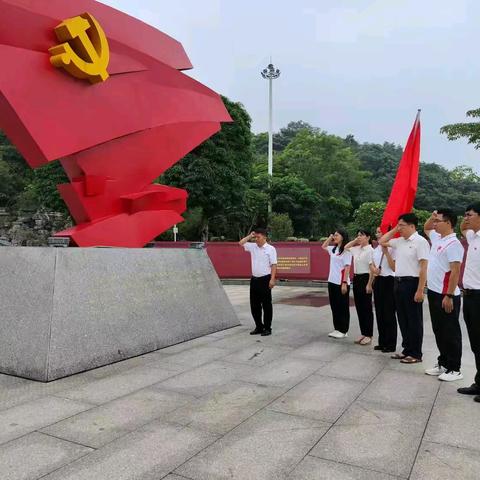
{"x":264,"y":271}
{"x":411,"y":259}
{"x":446,"y":256}
{"x":471,"y":290}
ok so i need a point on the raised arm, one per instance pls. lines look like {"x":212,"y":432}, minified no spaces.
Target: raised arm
{"x":388,"y":236}
{"x":463,"y":228}
{"x":244,"y":240}
{"x":327,"y":242}
{"x":351,"y":244}
{"x":430,"y":223}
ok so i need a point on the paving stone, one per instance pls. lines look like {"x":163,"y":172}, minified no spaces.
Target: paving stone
{"x":354,"y":366}
{"x":312,"y":468}
{"x":286,"y":372}
{"x":407,"y":419}
{"x":257,"y":355}
{"x":181,"y":347}
{"x":115,"y":386}
{"x":320,"y":398}
{"x":226,"y":407}
{"x":402,"y":389}
{"x":388,"y":450}
{"x":265,"y":447}
{"x":101,"y":425}
{"x":320,"y":350}
{"x":455,"y":421}
{"x":191,"y":358}
{"x":149,"y":453}
{"x":234,"y":342}
{"x":443,"y":462}
{"x":35,"y":455}
{"x":206,"y":378}
{"x":291,"y":337}
{"x":22,"y":419}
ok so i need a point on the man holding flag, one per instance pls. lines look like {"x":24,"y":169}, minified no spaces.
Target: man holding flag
{"x":411,"y":250}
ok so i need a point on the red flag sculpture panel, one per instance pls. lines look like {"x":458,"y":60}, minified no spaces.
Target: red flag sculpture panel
{"x":103,"y":93}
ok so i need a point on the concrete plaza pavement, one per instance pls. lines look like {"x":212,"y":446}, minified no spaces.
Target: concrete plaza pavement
{"x":296,"y":405}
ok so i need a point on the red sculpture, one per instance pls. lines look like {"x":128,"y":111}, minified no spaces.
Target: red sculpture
{"x":114,"y":134}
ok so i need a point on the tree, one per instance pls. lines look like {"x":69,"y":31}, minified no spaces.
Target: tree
{"x":470,"y":131}
{"x":217,"y":173}
{"x":291,"y":196}
{"x":280,"y":227}
{"x":282,"y":139}
{"x":367,"y":216}
{"x":326,"y":165}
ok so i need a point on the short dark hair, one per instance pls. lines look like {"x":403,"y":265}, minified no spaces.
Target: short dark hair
{"x":345,"y":240}
{"x":261,"y":231}
{"x":474,"y":206}
{"x":448,"y":215}
{"x":409,"y":218}
{"x":367,"y":233}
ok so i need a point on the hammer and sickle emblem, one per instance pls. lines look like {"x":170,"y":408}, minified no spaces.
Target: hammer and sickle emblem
{"x":83,"y":55}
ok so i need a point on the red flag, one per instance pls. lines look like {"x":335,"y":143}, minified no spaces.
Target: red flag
{"x":404,"y":188}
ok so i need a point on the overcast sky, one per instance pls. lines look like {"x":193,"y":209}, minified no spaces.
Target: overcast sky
{"x":349,"y":66}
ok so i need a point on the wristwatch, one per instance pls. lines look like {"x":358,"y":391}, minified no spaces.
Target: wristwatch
{"x":450,"y":295}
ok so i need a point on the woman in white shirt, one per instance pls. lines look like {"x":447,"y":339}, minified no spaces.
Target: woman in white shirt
{"x":362,"y":252}
{"x":339,"y":282}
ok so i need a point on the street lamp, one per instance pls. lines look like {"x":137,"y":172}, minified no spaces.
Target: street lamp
{"x":270,"y":73}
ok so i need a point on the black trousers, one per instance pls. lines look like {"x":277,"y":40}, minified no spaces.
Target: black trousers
{"x":446,"y":328}
{"x":471,"y":314}
{"x":261,"y":299}
{"x":340,"y":305}
{"x":385,"y":311}
{"x":363,"y":304}
{"x":410,"y":316}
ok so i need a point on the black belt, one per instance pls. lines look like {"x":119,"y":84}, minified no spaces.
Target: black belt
{"x":470,"y":291}
{"x":405,"y":279}
{"x":360,"y":274}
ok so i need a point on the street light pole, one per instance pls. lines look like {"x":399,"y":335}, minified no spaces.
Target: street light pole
{"x":270,"y":73}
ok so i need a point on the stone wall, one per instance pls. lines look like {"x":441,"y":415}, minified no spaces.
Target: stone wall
{"x":30,"y":229}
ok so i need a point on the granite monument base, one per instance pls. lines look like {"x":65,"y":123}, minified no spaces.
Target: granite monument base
{"x":67,"y":310}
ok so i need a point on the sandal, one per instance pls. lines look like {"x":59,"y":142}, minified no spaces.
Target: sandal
{"x":359,"y":339}
{"x":366,"y":341}
{"x":411,"y":360}
{"x":398,"y":356}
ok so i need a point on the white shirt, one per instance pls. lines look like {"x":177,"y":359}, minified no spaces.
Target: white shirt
{"x":408,"y":254}
{"x":471,"y":276}
{"x":362,"y":257}
{"x":338,"y":265}
{"x":443,"y":252}
{"x":381,"y":262}
{"x":262,"y":258}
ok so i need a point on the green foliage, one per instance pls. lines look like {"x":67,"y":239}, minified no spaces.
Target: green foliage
{"x":280,"y":227}
{"x":470,"y":131}
{"x":218,"y":172}
{"x":368,"y":216}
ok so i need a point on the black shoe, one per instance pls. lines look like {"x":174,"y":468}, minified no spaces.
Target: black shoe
{"x":476,"y":399}
{"x":473,"y":389}
{"x":265,"y":333}
{"x":257,"y":331}
{"x":388,"y":350}
{"x":378,"y":347}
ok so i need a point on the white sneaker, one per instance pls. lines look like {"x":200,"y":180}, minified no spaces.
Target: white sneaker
{"x":450,"y":376}
{"x":337,"y":334}
{"x":436,"y":370}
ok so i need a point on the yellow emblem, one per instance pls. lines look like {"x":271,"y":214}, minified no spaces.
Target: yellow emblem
{"x":83,"y":55}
